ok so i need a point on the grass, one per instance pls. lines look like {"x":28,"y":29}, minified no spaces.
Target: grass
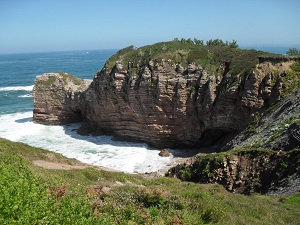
{"x":41,"y":84}
{"x":33,"y":195}
{"x":75,"y":80}
{"x":291,"y":80}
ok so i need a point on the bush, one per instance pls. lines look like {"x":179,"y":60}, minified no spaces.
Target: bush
{"x":293,"y":52}
{"x":24,"y":199}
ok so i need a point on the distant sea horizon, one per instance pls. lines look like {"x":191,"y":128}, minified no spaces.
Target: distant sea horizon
{"x":273,"y":48}
{"x":278,"y":49}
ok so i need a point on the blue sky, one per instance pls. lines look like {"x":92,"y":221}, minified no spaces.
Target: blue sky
{"x":53,"y":25}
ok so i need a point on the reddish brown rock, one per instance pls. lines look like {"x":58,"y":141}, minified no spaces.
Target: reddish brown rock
{"x":168,"y":105}
{"x":159,"y":102}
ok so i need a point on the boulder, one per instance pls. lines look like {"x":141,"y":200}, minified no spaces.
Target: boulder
{"x":164,"y":153}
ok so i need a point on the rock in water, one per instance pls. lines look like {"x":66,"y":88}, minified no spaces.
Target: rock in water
{"x":164,"y":153}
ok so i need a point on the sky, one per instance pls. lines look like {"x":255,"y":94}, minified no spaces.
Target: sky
{"x":59,"y":25}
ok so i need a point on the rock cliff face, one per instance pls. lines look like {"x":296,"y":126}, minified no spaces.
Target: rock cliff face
{"x":276,"y":130}
{"x":56,"y":98}
{"x":252,"y":166}
{"x":245,"y":171}
{"x":186,"y":96}
{"x":168,"y":105}
{"x":176,"y":94}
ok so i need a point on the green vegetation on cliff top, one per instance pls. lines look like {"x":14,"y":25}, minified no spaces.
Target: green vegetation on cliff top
{"x":210,"y":57}
{"x":33,"y":195}
{"x":66,"y":78}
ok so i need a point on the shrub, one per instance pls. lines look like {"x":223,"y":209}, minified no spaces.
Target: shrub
{"x":293,"y":52}
{"x":24,"y":199}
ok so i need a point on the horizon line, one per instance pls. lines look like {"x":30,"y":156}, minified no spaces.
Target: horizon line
{"x":108,"y":49}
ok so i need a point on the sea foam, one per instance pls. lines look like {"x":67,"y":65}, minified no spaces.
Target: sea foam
{"x":26,"y":96}
{"x":99,"y":150}
{"x":17,"y":88}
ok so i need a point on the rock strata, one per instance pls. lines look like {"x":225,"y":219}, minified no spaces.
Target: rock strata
{"x":172,"y":106}
{"x":143,"y":97}
{"x":277,"y":130}
{"x":178,"y":95}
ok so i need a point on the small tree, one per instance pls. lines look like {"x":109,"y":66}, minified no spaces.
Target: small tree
{"x":233,"y":44}
{"x":216,"y":42}
{"x":293,"y":52}
{"x":190,"y":41}
{"x":198,"y":42}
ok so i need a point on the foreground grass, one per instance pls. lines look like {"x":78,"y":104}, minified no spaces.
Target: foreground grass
{"x":33,"y":195}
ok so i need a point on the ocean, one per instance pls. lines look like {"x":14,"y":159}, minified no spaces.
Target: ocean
{"x":17,"y":74}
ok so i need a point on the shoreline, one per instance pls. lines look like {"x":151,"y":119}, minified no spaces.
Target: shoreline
{"x":35,"y":133}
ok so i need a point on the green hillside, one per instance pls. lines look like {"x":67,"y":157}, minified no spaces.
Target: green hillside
{"x":33,"y":195}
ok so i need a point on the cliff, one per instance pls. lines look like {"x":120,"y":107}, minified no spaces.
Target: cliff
{"x":172,"y":94}
{"x":180,"y":94}
{"x":149,"y":97}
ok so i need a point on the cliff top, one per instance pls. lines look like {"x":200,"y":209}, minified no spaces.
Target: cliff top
{"x":67,"y":80}
{"x":209,"y":57}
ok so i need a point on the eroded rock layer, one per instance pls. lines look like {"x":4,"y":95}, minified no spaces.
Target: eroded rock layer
{"x":170,"y":94}
{"x":167,"y":105}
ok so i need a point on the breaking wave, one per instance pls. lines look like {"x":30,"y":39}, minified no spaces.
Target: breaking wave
{"x":17,"y":88}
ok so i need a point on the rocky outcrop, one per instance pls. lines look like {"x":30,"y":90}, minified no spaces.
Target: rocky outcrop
{"x":167,"y":105}
{"x":164,"y":153}
{"x":57,"y":97}
{"x":145,"y":95}
{"x":245,"y":171}
{"x":250,"y":167}
{"x":174,"y":95}
{"x":278,"y":129}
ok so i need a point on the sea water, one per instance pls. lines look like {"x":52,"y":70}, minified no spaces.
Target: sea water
{"x":17,"y":74}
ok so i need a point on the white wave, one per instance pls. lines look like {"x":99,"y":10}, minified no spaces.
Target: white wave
{"x":100,"y":150}
{"x":26,"y":96}
{"x":17,"y":88}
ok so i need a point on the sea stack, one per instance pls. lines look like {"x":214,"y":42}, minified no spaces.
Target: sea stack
{"x":56,"y":98}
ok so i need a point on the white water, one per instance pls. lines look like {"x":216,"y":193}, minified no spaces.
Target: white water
{"x":25,"y":96}
{"x":100,"y":150}
{"x":17,"y":88}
